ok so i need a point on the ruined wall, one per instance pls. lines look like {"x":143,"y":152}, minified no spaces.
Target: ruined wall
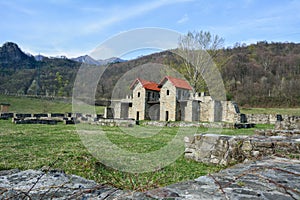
{"x":205,"y":108}
{"x":205,"y":111}
{"x":116,"y":105}
{"x":229,"y":112}
{"x":288,"y":123}
{"x":268,"y":118}
{"x":217,"y":111}
{"x":261,"y":118}
{"x":115,"y":122}
{"x":225,"y":150}
{"x":211,"y":111}
{"x":190,"y":110}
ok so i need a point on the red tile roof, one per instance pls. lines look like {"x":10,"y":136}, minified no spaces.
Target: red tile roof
{"x":148,"y":85}
{"x":177,"y":82}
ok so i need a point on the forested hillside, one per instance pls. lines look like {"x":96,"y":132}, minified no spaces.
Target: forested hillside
{"x":262,"y":74}
{"x":21,"y":74}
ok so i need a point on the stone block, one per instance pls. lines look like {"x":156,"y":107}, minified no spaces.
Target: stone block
{"x":57,"y":115}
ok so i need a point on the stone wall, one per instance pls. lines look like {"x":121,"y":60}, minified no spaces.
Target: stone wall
{"x":230,"y":111}
{"x":261,"y":118}
{"x":116,"y":105}
{"x":225,"y":150}
{"x":34,"y":121}
{"x":269,"y":118}
{"x":204,"y":112}
{"x":168,"y":102}
{"x":217,"y":111}
{"x":190,"y":110}
{"x":288,"y":123}
{"x":218,"y":125}
{"x":139,"y":102}
{"x":115,"y":122}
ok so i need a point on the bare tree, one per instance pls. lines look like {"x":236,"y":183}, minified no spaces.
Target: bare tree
{"x":198,"y":49}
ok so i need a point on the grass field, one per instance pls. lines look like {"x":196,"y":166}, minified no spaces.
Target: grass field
{"x":283,"y":111}
{"x":59,"y":146}
{"x":39,"y":105}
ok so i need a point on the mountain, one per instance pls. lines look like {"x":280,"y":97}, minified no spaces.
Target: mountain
{"x":111,"y":61}
{"x":11,"y":56}
{"x":86,"y":59}
{"x":22,"y":74}
{"x":89,"y":60}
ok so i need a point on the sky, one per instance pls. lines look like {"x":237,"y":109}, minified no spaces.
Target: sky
{"x":76,"y":27}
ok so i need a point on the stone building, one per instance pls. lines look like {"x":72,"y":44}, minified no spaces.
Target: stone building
{"x":145,"y":97}
{"x":172,"y":100}
{"x":174,"y":94}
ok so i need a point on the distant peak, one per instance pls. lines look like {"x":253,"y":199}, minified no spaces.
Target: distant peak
{"x":12,"y":45}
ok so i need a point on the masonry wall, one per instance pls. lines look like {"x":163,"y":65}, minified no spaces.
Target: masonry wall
{"x":124,"y":110}
{"x":190,"y":111}
{"x":261,"y":118}
{"x":229,"y":112}
{"x":204,"y":112}
{"x":138,"y":102}
{"x":225,"y":150}
{"x":217,"y":111}
{"x":116,"y":105}
{"x":130,"y":113}
{"x":168,"y":102}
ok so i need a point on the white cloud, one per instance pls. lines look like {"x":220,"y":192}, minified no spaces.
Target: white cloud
{"x":184,"y":19}
{"x":127,"y":13}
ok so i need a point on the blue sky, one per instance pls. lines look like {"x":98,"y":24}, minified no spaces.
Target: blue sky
{"x":76,"y":27}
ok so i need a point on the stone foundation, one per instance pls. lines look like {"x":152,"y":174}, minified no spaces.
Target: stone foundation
{"x":34,"y":121}
{"x":269,"y":118}
{"x":189,"y":124}
{"x":288,"y":123}
{"x":261,"y":118}
{"x":226,"y":150}
{"x":289,"y":133}
{"x":115,"y":122}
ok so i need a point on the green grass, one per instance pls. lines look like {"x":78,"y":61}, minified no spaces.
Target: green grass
{"x":283,"y":111}
{"x":35,"y":146}
{"x":59,"y":146}
{"x":39,"y":105}
{"x":247,"y":131}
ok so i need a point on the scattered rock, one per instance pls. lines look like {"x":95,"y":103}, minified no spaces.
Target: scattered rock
{"x":269,"y":178}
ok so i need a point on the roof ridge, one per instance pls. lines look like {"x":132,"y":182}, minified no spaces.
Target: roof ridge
{"x":177,"y":82}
